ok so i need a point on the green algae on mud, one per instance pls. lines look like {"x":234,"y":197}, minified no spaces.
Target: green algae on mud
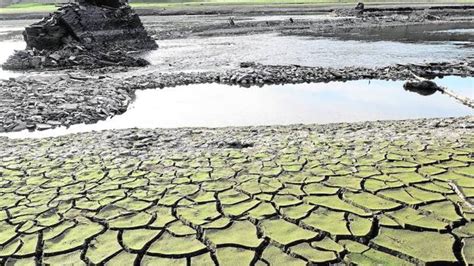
{"x":177,"y":197}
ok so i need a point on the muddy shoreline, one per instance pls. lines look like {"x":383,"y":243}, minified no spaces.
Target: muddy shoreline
{"x":340,"y":23}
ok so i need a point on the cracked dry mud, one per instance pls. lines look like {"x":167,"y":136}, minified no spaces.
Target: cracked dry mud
{"x":395,"y":193}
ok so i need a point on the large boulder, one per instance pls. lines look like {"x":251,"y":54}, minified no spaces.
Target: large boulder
{"x":359,"y":6}
{"x":423,"y":87}
{"x":90,"y":25}
{"x":88,"y":28}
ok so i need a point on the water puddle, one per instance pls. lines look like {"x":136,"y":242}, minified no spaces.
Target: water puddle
{"x":418,"y":33}
{"x":296,"y":18}
{"x":457,"y":31}
{"x":12,"y":29}
{"x":8,"y":47}
{"x":10,"y":33}
{"x":215,"y":105}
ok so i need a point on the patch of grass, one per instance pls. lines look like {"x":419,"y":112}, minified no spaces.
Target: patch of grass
{"x":28,"y":5}
{"x":27,"y":8}
{"x":228,"y":3}
{"x":170,"y":4}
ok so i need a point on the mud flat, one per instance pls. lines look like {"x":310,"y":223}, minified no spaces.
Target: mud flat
{"x":297,"y":194}
{"x":339,"y":22}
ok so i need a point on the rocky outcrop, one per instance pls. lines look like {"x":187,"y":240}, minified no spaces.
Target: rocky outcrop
{"x":87,"y":34}
{"x":359,"y":6}
{"x":90,"y":25}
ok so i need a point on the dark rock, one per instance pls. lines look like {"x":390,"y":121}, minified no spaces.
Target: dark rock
{"x":425,"y":87}
{"x":359,"y":6}
{"x":90,"y":34}
{"x":432,"y":17}
{"x":30,"y":126}
{"x":247,"y":64}
{"x":89,"y":24}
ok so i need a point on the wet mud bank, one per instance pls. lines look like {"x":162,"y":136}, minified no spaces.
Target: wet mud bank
{"x":343,"y":22}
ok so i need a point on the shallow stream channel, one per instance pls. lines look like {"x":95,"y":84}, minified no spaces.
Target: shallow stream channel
{"x":215,"y":105}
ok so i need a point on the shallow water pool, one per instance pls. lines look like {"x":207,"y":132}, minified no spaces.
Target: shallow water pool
{"x":8,"y":47}
{"x":215,"y":105}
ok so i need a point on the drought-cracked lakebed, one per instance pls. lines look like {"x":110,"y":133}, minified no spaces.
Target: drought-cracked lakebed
{"x":380,"y":192}
{"x":365,"y":193}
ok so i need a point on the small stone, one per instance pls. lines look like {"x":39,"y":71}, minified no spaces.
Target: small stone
{"x":55,"y":56}
{"x":43,"y":126}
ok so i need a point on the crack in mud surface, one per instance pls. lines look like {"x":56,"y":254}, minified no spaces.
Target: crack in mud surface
{"x":364,"y":193}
